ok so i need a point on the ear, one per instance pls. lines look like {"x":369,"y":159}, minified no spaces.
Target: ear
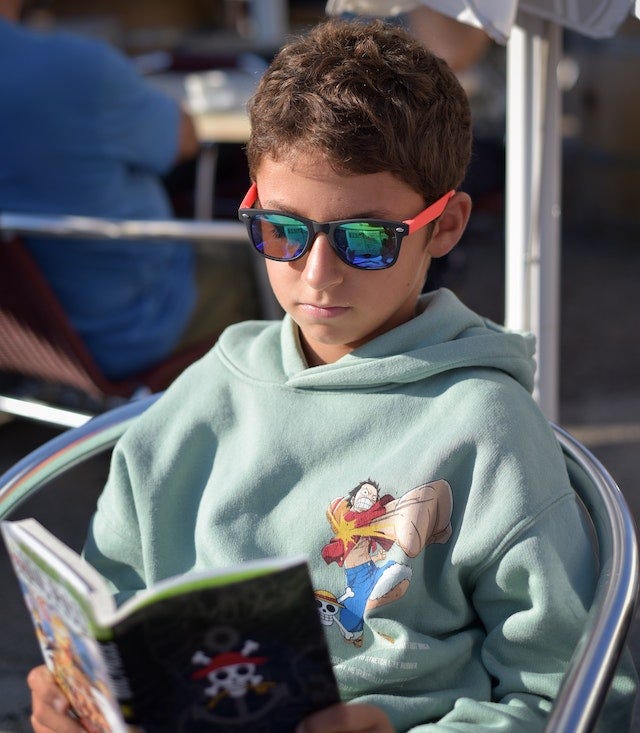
{"x":450,"y":225}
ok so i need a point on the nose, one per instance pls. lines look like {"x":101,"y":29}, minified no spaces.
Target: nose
{"x":322,"y":267}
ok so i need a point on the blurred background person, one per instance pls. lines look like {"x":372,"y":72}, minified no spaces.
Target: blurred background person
{"x":84,"y":134}
{"x":479,"y":63}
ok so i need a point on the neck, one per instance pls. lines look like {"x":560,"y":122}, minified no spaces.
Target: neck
{"x":314,"y":357}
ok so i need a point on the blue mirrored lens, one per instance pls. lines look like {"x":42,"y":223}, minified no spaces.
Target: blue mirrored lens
{"x":364,"y":245}
{"x":278,"y":236}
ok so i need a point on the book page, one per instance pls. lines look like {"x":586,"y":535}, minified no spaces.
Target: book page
{"x":55,"y":596}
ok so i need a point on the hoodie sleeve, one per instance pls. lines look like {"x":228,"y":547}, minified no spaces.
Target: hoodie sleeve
{"x":533,"y":601}
{"x":143,"y":530}
{"x":113,"y":544}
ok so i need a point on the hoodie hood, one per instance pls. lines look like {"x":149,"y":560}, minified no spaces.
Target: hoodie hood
{"x":446,"y":335}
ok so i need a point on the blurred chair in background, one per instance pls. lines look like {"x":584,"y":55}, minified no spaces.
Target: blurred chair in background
{"x":479,"y":64}
{"x":46,"y":370}
{"x":42,"y":356}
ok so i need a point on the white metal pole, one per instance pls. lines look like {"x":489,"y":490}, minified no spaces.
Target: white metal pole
{"x":270,"y":21}
{"x":548,"y":277}
{"x":518,"y":178}
{"x":533,"y":196}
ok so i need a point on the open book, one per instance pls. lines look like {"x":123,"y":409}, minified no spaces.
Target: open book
{"x":235,"y":650}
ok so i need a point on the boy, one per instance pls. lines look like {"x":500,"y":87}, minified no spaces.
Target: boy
{"x":389,"y":436}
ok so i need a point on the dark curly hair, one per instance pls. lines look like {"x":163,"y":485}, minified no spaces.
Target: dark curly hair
{"x":370,"y":98}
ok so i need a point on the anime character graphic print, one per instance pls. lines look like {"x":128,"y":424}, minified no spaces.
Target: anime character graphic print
{"x":366,"y":525}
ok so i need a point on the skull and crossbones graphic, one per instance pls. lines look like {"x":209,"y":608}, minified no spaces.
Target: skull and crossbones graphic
{"x":329,"y":611}
{"x":232,"y":673}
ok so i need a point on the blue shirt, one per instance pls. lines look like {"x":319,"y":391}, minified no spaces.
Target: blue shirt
{"x":82,"y":133}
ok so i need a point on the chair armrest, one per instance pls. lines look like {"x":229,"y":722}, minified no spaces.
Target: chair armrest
{"x":65,"y":451}
{"x":579,"y":703}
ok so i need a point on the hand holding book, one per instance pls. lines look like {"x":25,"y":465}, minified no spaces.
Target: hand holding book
{"x":50,"y":709}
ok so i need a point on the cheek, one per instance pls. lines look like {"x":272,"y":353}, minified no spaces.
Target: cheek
{"x":274,"y":277}
{"x":395,"y":281}
{"x":282,"y":278}
{"x":416,"y":263}
{"x":276,"y":272}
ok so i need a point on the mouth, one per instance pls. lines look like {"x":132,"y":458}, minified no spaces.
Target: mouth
{"x":323,"y":311}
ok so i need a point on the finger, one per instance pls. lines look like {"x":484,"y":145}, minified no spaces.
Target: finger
{"x":39,"y":728}
{"x":50,"y":708}
{"x":45,"y":719}
{"x":45,"y":690}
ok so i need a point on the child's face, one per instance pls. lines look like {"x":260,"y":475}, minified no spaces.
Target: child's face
{"x":337,"y":307}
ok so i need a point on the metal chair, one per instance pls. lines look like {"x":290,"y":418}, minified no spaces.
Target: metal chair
{"x":590,"y":674}
{"x":588,"y":679}
{"x":39,"y":344}
{"x":43,"y":356}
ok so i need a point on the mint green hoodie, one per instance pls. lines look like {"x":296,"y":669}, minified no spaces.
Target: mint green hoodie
{"x":416,"y":474}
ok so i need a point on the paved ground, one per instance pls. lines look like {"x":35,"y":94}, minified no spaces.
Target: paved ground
{"x":600,"y":403}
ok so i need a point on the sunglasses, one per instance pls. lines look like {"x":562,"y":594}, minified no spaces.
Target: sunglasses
{"x":366,"y":244}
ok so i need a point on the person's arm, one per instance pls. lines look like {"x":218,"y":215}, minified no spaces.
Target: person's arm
{"x":459,"y":44}
{"x":134,"y":121}
{"x":50,"y":709}
{"x":113,"y":544}
{"x":533,"y":601}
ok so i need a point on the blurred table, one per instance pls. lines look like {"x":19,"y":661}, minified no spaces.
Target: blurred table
{"x":214,"y":128}
{"x":222,"y":127}
{"x":216,"y":100}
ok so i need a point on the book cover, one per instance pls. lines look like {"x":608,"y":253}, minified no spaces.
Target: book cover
{"x":235,"y":650}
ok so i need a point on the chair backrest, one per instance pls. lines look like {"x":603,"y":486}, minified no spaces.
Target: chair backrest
{"x":588,"y":679}
{"x":36,"y":337}
{"x":38,"y":340}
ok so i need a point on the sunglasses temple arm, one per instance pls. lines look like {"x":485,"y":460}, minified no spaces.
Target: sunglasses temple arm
{"x":430,"y":213}
{"x":249,"y":200}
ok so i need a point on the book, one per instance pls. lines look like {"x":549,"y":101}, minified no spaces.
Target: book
{"x":240,"y":649}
